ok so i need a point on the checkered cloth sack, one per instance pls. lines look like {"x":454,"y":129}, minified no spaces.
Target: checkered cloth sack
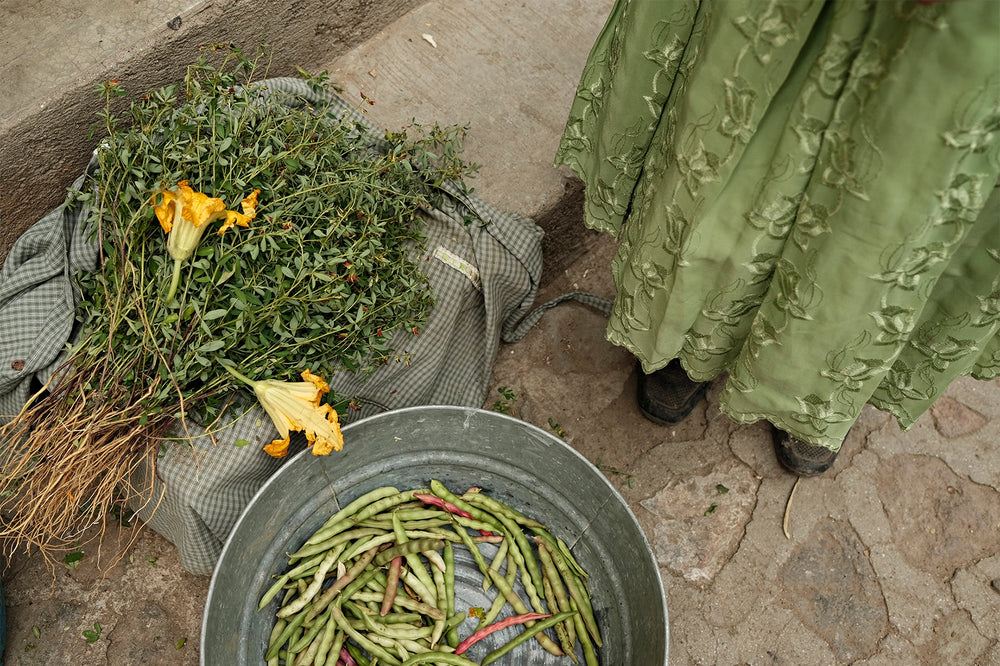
{"x":482,"y":263}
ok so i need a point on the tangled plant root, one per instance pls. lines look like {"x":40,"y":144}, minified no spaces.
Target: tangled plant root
{"x":52,"y":492}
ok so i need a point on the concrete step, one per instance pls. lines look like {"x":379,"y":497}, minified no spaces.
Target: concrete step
{"x":54,"y":53}
{"x":508,"y":70}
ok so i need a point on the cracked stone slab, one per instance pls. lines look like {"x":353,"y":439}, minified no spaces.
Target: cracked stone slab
{"x":976,"y":455}
{"x":700,"y":520}
{"x":915,"y":598}
{"x":956,"y":641}
{"x":940,"y":521}
{"x":893,"y":651}
{"x":977,"y":590}
{"x":953,"y":419}
{"x":832,"y":586}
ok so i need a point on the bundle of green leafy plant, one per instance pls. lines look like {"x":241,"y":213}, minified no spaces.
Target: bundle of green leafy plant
{"x":316,"y":281}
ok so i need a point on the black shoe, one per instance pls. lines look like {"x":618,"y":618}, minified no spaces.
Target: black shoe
{"x":668,"y":395}
{"x":800,"y":457}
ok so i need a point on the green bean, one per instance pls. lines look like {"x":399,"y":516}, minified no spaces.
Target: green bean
{"x":364,"y":513}
{"x":363,"y":580}
{"x":274,"y":589}
{"x":332,"y":655}
{"x":441,"y":491}
{"x":564,"y":549}
{"x":500,"y":600}
{"x":550,"y":575}
{"x":429,"y":523}
{"x":439,"y":657}
{"x":338,"y":585}
{"x":408,"y":515}
{"x":395,"y":631}
{"x":405,"y":548}
{"x":309,"y":656}
{"x":455,"y":621}
{"x":500,"y":556}
{"x":361,"y":639}
{"x":416,"y":565}
{"x":575,"y":586}
{"x":496,"y":507}
{"x":589,"y":655}
{"x":313,"y":588}
{"x":442,"y":593}
{"x":354,"y":609}
{"x":326,"y":640}
{"x":385,"y":504}
{"x":386,"y":627}
{"x":397,"y":618}
{"x":476,"y":524}
{"x":276,"y":630}
{"x":356,"y":654}
{"x":578,"y":592}
{"x":393,"y":645}
{"x":449,"y":591}
{"x":434,"y":558}
{"x":285,"y":635}
{"x":416,"y":647}
{"x":313,"y":632}
{"x":337,"y":539}
{"x":360,"y":546}
{"x":525,"y":558}
{"x":419,"y":588}
{"x":404,"y":602}
{"x":562,"y":636}
{"x":521,"y":609}
{"x":354,"y":507}
{"x":534,"y":630}
{"x":474,"y":549}
{"x":290,"y":652}
{"x":435,"y":532}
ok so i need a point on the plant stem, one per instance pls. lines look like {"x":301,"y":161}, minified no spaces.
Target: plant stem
{"x":174,"y":281}
{"x":243,"y":378}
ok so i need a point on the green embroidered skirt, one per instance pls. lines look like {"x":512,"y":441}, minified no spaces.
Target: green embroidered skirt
{"x":805,"y":198}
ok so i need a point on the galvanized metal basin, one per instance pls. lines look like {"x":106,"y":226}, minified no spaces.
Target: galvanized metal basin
{"x":513,"y":461}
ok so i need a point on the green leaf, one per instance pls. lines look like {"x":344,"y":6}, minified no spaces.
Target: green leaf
{"x":214,"y":345}
{"x":215,"y":314}
{"x":72,"y":561}
{"x":92,"y":635}
{"x":241,"y":442}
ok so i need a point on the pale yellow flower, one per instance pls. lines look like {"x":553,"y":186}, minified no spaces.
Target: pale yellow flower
{"x":296,"y":406}
{"x":249,"y":205}
{"x":185,"y":214}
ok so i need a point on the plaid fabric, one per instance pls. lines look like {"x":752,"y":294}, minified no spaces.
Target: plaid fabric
{"x":482,"y":263}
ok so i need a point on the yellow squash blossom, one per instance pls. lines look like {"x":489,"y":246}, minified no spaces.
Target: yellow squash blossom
{"x":296,"y":406}
{"x":249,"y":206}
{"x":185,"y":214}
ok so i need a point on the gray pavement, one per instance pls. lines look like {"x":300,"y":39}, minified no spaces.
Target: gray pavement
{"x":889,"y":558}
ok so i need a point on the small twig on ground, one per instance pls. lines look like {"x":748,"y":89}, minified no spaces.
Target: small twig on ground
{"x":788,"y":509}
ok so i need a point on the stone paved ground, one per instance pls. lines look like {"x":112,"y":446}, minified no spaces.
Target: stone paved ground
{"x":891,"y":557}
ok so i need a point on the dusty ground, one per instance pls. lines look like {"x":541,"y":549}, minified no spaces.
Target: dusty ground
{"x":891,"y":557}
